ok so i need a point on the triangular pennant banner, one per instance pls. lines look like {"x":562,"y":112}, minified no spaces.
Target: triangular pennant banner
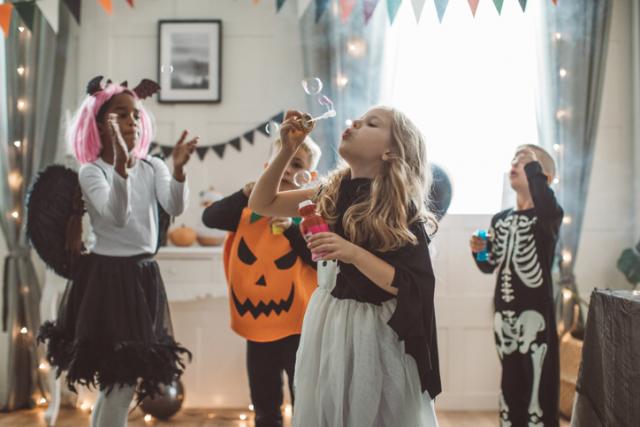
{"x":441,"y":7}
{"x":498,"y":4}
{"x":523,"y":4}
{"x":279,"y":4}
{"x":106,"y":5}
{"x":130,"y":2}
{"x":392,"y":9}
{"x":418,"y":5}
{"x":50,"y":10}
{"x":278,"y":118}
{"x":219,"y":149}
{"x":201,"y":152}
{"x":473,"y":4}
{"x":166,"y":150}
{"x":369,"y":6}
{"x":249,"y":137}
{"x":346,"y":6}
{"x":263,"y":129}
{"x":321,"y":7}
{"x":74,"y":8}
{"x":235,"y":143}
{"x":555,"y":2}
{"x":26,"y":10}
{"x":303,"y":5}
{"x":6,"y":9}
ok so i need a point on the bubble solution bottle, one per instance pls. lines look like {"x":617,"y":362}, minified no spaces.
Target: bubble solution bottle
{"x":312,"y":223}
{"x":483,"y":256}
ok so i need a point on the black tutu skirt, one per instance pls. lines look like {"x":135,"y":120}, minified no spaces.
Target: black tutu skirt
{"x":114,"y":327}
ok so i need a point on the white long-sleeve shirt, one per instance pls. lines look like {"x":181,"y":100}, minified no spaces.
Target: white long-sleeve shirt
{"x":123,"y":212}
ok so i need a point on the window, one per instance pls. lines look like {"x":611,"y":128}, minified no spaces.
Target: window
{"x":469,"y":84}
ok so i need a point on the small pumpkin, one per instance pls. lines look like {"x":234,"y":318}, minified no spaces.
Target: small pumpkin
{"x":182,"y":236}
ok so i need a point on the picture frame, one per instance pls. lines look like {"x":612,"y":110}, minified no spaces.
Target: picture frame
{"x":190,"y":61}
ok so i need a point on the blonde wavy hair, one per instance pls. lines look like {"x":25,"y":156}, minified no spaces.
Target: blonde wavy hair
{"x":399,"y":193}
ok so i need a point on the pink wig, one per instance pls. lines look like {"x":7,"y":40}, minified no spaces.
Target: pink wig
{"x":83,"y":132}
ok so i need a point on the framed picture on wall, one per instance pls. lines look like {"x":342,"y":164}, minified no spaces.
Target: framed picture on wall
{"x":190,"y":60}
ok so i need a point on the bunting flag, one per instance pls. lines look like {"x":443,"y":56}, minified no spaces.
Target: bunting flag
{"x":6,"y":10}
{"x":369,"y":6}
{"x":498,"y":4}
{"x":418,"y":5}
{"x":220,"y":148}
{"x":249,"y":137}
{"x":50,"y":10}
{"x":26,"y":11}
{"x":321,"y":7}
{"x":441,"y":7}
{"x":106,"y":5}
{"x":555,"y":2}
{"x":279,"y":4}
{"x":130,"y":2}
{"x":235,"y":143}
{"x":346,"y":7}
{"x":523,"y":4}
{"x":256,"y":1}
{"x":392,"y":9}
{"x":74,"y":8}
{"x":303,"y":5}
{"x":202,"y":152}
{"x":473,"y":4}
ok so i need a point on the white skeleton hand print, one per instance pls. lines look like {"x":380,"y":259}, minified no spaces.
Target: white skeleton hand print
{"x":514,"y":248}
{"x":519,"y":333}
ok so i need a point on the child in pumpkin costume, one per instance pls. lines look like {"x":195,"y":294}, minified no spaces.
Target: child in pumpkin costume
{"x":271,"y":278}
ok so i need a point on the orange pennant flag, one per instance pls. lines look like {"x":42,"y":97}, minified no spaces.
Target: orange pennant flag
{"x":6,"y":9}
{"x":555,"y":2}
{"x":256,"y":1}
{"x":473,"y":4}
{"x":106,"y":5}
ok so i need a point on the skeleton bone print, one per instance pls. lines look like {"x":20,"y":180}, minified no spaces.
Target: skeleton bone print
{"x":515,"y":249}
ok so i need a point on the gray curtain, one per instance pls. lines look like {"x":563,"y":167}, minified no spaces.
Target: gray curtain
{"x":43,"y":55}
{"x":573,"y":41}
{"x":327,"y":55}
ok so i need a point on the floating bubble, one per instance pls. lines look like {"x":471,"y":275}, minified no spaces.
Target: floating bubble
{"x":312,"y":86}
{"x":348,"y":123}
{"x":302,"y":178}
{"x":272,"y":128}
{"x":325,"y":102}
{"x":166,"y":68}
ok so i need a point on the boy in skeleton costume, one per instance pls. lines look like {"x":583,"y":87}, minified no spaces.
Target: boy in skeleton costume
{"x":521,"y":246}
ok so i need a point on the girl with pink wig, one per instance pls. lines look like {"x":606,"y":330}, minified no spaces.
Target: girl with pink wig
{"x":113,"y":328}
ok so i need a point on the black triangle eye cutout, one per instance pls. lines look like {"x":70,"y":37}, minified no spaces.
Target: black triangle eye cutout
{"x":285,"y":262}
{"x":245,"y":254}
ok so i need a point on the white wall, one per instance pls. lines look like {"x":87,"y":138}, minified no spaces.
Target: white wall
{"x":261,"y":73}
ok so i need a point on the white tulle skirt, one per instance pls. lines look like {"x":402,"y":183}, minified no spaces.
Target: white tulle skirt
{"x":351,"y":368}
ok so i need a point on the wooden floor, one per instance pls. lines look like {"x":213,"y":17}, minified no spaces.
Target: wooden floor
{"x":210,"y":418}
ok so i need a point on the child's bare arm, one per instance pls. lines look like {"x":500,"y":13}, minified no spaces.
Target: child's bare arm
{"x":265,"y":198}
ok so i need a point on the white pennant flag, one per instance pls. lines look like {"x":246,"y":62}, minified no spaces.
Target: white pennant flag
{"x":303,"y":5}
{"x":418,"y":5}
{"x":50,"y":10}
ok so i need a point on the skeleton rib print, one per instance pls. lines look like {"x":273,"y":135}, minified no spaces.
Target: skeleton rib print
{"x":514,"y":249}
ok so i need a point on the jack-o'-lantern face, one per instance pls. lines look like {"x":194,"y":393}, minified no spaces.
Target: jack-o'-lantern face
{"x":269,"y":286}
{"x":276,"y":279}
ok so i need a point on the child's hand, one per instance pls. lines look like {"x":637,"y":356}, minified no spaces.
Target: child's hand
{"x":283,"y":223}
{"x":527,"y":156}
{"x":183,"y":150}
{"x":332,"y":247}
{"x":119,"y":145}
{"x":477,"y":244}
{"x":292,"y":133}
{"x":247,"y":189}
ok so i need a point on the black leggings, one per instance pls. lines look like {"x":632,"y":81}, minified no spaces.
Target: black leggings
{"x":265,"y":363}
